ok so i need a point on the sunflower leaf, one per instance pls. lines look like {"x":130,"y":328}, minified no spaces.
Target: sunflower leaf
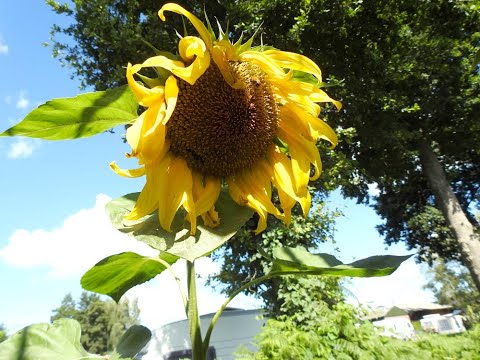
{"x":57,"y":341}
{"x":299,"y":260}
{"x":132,"y":341}
{"x":80,"y":116}
{"x":116,"y":274}
{"x":179,"y":242}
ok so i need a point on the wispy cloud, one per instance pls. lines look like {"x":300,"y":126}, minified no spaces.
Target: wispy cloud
{"x":22,"y":148}
{"x":3,"y":47}
{"x":22,"y":101}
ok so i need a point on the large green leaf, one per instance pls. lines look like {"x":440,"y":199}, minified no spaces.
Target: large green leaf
{"x":57,"y":341}
{"x":116,"y":274}
{"x":299,"y":260}
{"x":179,"y":242}
{"x":80,"y":116}
{"x":134,"y":340}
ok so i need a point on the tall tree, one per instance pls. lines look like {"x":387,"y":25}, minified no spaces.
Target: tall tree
{"x":103,"y":322}
{"x":411,"y":94}
{"x":410,"y":89}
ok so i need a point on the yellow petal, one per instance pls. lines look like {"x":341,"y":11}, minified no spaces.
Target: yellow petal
{"x":267,"y":65}
{"x":205,"y":192}
{"x":147,"y":201}
{"x":145,"y":96}
{"x":197,"y":24}
{"x":283,"y":179}
{"x":191,"y":46}
{"x":132,"y":173}
{"x":253,"y":189}
{"x":295,"y":61}
{"x":171,"y":96}
{"x":210,"y":218}
{"x":296,"y":119}
{"x":303,"y":153}
{"x":222,"y":61}
{"x":175,"y":190}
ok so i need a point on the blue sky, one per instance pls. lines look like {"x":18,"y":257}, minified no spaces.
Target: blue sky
{"x":52,"y":222}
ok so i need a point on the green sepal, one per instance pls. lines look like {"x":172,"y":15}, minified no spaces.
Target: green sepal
{"x":132,"y":341}
{"x":299,"y":260}
{"x":57,"y":341}
{"x":80,"y":116}
{"x":180,"y":242}
{"x":116,"y":274}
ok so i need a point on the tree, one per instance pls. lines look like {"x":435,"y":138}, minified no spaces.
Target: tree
{"x":410,"y":87}
{"x":410,"y":92}
{"x":3,"y":333}
{"x":102,"y":322}
{"x":452,"y":285}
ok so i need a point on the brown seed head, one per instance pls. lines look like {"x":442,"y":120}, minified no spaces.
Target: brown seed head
{"x":219,"y":130}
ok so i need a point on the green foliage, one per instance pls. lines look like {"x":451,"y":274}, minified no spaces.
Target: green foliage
{"x":242,"y":261}
{"x":102,"y":322}
{"x":339,"y":335}
{"x":81,"y":116}
{"x":452,"y":284}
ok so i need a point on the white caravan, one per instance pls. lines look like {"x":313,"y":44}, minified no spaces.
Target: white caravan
{"x":235,"y":328}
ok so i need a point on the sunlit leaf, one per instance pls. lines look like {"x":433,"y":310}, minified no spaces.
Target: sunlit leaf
{"x":299,"y":260}
{"x":179,"y":242}
{"x":57,"y":341}
{"x":80,"y":116}
{"x":116,"y":274}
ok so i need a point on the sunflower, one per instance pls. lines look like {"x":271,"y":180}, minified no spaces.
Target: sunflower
{"x":225,"y":113}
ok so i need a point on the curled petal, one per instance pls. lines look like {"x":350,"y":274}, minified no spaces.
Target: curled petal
{"x":197,"y":24}
{"x":144,"y":95}
{"x":132,"y":173}
{"x":190,"y":47}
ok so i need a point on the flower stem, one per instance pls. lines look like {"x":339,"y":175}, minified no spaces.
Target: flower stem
{"x":192,"y":314}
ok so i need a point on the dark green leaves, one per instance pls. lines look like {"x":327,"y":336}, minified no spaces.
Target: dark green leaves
{"x":298,"y":260}
{"x":57,"y":341}
{"x":116,"y":274}
{"x":179,"y":242}
{"x":81,"y":116}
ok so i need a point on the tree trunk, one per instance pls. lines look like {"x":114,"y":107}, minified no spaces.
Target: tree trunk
{"x":462,"y":229}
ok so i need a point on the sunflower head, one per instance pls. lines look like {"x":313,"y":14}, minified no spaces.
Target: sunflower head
{"x":223,"y":113}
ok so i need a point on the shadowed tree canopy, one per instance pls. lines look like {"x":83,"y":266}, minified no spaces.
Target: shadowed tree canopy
{"x":410,"y":90}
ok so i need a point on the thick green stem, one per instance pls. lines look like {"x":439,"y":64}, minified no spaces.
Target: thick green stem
{"x":192,"y":314}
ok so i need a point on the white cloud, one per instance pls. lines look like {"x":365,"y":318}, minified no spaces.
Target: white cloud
{"x":22,"y":101}
{"x":404,"y":286}
{"x":68,"y":251}
{"x":22,"y":148}
{"x":86,"y":237}
{"x":3,"y":47}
